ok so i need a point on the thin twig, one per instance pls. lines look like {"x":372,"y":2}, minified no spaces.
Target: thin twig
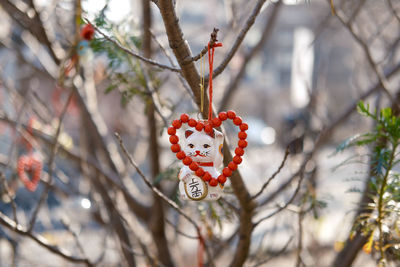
{"x":281,"y":251}
{"x":160,"y":194}
{"x":7,"y":190}
{"x":152,"y":187}
{"x":252,"y":52}
{"x":53,"y":152}
{"x":213,"y":40}
{"x":169,"y":57}
{"x":110,"y":175}
{"x":378,"y":72}
{"x":287,"y":152}
{"x":75,"y":236}
{"x":391,"y":7}
{"x":179,"y":231}
{"x":249,"y":22}
{"x":7,"y":222}
{"x":300,"y":173}
{"x":126,"y":50}
{"x":299,"y":260}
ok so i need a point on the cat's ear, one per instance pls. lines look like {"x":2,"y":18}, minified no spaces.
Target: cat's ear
{"x":188,"y":133}
{"x":212,"y":134}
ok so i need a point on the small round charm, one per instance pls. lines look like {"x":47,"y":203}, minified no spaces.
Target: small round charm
{"x":196,"y":189}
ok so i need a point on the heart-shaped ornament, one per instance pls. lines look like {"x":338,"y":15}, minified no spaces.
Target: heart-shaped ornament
{"x":32,"y":165}
{"x":208,"y":126}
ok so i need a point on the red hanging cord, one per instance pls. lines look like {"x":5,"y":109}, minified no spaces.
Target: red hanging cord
{"x":200,"y":250}
{"x":211,"y":63}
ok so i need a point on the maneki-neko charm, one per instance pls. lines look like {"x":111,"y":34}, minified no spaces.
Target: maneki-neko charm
{"x":200,"y":178}
{"x":201,"y":154}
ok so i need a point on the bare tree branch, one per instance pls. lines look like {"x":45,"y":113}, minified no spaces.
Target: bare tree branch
{"x":10,"y":224}
{"x":160,"y":194}
{"x":287,"y":152}
{"x":213,"y":40}
{"x":34,"y":25}
{"x":378,"y":71}
{"x":238,"y":41}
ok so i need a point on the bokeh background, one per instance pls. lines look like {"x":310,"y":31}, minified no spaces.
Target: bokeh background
{"x":295,"y":80}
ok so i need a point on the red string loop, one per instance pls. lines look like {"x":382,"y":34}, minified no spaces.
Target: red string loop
{"x":211,"y":63}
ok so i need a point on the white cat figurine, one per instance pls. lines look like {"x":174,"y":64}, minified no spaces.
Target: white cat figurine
{"x":206,"y":150}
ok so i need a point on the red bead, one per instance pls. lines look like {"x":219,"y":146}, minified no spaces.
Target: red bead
{"x":180,"y":155}
{"x":174,"y":139}
{"x":216,"y":122}
{"x":242,"y":135}
{"x":207,"y":176}
{"x":175,"y":148}
{"x":237,"y":121}
{"x":192,"y":123}
{"x":242,"y":143}
{"x":227,"y":172}
{"x":177,"y":124}
{"x":194,"y":166}
{"x":184,"y":118}
{"x":239,"y":151}
{"x":244,"y":127}
{"x":237,"y":159}
{"x":231,"y":114}
{"x":187,"y":161}
{"x":208,"y":128}
{"x":171,"y":131}
{"x":213,"y":182}
{"x":199,"y":126}
{"x":222,"y":179}
{"x":200,"y":172}
{"x":222,"y":116}
{"x":232,"y":166}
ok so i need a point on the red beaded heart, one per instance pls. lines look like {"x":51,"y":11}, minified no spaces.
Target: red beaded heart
{"x":33,"y":166}
{"x":208,"y":127}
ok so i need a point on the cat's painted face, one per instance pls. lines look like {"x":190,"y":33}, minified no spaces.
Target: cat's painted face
{"x":202,"y":147}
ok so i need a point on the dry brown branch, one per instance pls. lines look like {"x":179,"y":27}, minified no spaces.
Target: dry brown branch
{"x":169,"y":57}
{"x":156,"y":222}
{"x":53,"y":153}
{"x":153,"y":188}
{"x":33,"y":24}
{"x":238,"y":40}
{"x":182,"y":51}
{"x":213,"y":40}
{"x":129,"y":52}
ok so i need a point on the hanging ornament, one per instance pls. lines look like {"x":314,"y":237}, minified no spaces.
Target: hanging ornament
{"x":29,"y":166}
{"x":201,"y":155}
{"x":81,"y":48}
